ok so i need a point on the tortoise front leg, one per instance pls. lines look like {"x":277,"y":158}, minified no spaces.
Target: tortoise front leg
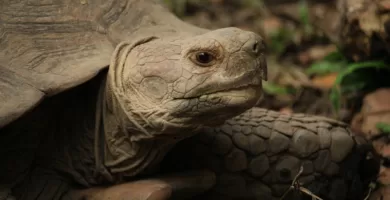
{"x":257,"y":155}
{"x":173,"y":186}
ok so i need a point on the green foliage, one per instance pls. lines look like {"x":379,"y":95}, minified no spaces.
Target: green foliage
{"x":383,"y":127}
{"x":352,"y":77}
{"x":355,"y":77}
{"x":283,"y":36}
{"x":279,"y":39}
{"x":305,"y":17}
{"x":334,"y":62}
{"x":274,"y":89}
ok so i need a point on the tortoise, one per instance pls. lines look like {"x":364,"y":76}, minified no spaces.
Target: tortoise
{"x":96,"y":94}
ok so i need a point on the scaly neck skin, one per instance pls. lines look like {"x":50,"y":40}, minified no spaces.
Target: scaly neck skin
{"x":128,"y":149}
{"x":123,"y":150}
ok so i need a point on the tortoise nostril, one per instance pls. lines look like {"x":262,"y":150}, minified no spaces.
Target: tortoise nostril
{"x":255,"y":47}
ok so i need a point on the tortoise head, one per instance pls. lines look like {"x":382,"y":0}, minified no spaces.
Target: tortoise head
{"x":188,"y":81}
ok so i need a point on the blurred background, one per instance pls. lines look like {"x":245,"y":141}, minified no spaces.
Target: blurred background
{"x":325,"y":57}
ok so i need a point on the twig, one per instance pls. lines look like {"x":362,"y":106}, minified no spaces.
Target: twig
{"x":369,"y":194}
{"x":371,"y":187}
{"x":295,"y":185}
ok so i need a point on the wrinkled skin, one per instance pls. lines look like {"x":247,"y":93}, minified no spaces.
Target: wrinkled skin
{"x":158,"y":91}
{"x":166,"y":80}
{"x":163,"y":80}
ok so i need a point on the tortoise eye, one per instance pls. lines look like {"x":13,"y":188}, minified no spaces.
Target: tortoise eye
{"x":204,"y":58}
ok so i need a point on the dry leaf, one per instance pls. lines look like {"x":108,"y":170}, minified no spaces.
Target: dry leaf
{"x":324,"y":82}
{"x":375,"y":109}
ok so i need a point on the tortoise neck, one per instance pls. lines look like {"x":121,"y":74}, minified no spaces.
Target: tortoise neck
{"x":122,"y":150}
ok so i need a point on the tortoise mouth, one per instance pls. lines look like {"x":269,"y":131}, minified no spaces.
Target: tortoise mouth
{"x":228,"y":91}
{"x":243,"y":83}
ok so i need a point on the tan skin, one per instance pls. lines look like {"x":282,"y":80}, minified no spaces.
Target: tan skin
{"x":205,"y":57}
{"x":161,"y":87}
{"x":157,"y":92}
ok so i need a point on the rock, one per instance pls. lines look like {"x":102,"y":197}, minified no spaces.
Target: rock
{"x":375,"y":109}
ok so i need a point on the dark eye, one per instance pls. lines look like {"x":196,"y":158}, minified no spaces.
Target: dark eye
{"x":204,"y":57}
